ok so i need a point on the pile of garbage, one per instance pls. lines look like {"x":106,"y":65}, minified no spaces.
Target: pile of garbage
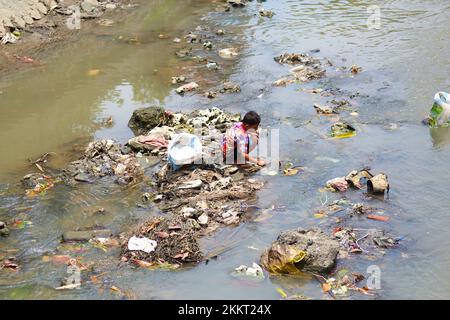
{"x":376,"y":184}
{"x":358,"y":241}
{"x":37,"y":184}
{"x":306,"y":68}
{"x":162,"y":241}
{"x":145,"y":119}
{"x":104,"y":158}
{"x":207,"y":194}
{"x":342,"y":282}
{"x":198,"y":196}
{"x":294,"y":58}
{"x":198,"y":201}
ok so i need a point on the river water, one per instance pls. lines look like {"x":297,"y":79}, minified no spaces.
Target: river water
{"x":57,"y":107}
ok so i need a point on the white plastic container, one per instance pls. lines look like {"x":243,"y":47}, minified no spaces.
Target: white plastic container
{"x":185,"y":148}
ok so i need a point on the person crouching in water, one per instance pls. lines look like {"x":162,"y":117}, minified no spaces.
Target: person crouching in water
{"x":241,"y":139}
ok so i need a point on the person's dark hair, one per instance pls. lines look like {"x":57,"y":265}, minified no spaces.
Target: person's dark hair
{"x":251,"y":118}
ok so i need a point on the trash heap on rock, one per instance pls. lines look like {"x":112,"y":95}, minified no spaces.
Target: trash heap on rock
{"x":176,"y":243}
{"x":104,"y":158}
{"x":306,"y":68}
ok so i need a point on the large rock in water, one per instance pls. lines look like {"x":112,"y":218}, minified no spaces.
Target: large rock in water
{"x":301,"y":250}
{"x":145,"y":119}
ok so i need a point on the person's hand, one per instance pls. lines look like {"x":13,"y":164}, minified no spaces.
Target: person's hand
{"x":261,"y":163}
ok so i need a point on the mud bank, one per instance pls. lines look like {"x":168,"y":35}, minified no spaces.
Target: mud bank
{"x":30,"y":26}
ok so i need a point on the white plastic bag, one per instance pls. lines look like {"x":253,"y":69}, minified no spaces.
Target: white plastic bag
{"x":141,"y":244}
{"x":184,"y":148}
{"x":440,"y":112}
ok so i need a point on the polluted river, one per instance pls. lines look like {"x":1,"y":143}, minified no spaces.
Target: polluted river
{"x":381,"y":80}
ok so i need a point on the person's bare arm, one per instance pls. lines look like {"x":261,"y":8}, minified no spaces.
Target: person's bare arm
{"x":259,"y":162}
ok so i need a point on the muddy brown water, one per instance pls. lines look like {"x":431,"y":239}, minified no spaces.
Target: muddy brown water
{"x":55,"y":106}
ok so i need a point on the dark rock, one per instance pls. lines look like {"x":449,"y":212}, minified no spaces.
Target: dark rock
{"x":145,"y":119}
{"x":84,"y":177}
{"x":301,"y":250}
{"x":230,"y":87}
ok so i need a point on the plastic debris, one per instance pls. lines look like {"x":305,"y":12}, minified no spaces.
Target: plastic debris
{"x":203,"y":219}
{"x":378,"y":184}
{"x":229,"y":53}
{"x":265,"y":13}
{"x":337,"y":184}
{"x":93,"y":72}
{"x":355,"y":176}
{"x":324,"y":109}
{"x":184,"y":149}
{"x":243,"y":271}
{"x":141,"y":244}
{"x":43,"y":183}
{"x":179,"y":79}
{"x":291,"y":170}
{"x":341,"y":130}
{"x":9,"y":38}
{"x":440,"y":112}
{"x":377,"y":218}
{"x":187,"y":87}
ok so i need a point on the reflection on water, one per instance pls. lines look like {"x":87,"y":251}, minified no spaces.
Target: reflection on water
{"x":404,"y":63}
{"x":440,"y":137}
